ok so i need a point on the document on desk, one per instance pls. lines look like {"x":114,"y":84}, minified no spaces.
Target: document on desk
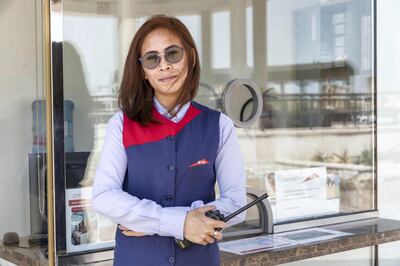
{"x":253,"y":244}
{"x":310,"y":235}
{"x":270,"y":242}
{"x":306,"y":192}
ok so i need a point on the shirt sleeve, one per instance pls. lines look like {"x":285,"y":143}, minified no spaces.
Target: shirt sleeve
{"x":109,"y":200}
{"x":230,"y":172}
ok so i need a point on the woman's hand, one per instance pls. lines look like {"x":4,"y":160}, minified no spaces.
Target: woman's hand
{"x":199,"y":228}
{"x":127,"y":232}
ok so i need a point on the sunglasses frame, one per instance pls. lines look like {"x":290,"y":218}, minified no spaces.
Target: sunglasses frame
{"x":141,"y":59}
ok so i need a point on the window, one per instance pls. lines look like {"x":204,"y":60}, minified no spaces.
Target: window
{"x":313,"y":60}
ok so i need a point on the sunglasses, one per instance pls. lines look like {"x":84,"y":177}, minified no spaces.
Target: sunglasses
{"x":172,"y":54}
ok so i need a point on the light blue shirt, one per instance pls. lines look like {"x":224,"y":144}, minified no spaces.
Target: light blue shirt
{"x":147,"y":216}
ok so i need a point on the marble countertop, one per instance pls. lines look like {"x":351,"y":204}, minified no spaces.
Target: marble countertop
{"x":364,"y":233}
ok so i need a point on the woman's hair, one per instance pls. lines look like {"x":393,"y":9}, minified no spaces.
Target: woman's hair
{"x":136,"y":94}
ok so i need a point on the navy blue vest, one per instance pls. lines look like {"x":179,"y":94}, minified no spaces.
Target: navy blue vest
{"x":172,"y":164}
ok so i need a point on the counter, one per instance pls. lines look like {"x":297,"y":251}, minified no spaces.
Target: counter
{"x":365,"y":233}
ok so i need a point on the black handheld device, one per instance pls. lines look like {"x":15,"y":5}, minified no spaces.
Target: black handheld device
{"x":216,"y":215}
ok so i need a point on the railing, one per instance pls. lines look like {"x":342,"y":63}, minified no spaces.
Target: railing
{"x":316,"y":110}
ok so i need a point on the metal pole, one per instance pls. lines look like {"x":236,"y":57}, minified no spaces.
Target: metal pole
{"x":49,"y":129}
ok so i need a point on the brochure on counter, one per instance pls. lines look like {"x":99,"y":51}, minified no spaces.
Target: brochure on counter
{"x":275,"y":241}
{"x":302,"y":193}
{"x":85,"y":229}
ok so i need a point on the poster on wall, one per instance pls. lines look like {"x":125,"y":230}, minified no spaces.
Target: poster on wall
{"x":85,"y":229}
{"x":302,"y":193}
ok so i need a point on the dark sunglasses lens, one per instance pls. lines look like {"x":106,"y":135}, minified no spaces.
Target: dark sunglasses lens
{"x":173,"y":55}
{"x":151,"y":60}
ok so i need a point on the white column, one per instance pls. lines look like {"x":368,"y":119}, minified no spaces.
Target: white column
{"x":238,"y":37}
{"x":260,"y":42}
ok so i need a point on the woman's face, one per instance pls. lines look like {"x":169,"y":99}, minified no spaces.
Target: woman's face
{"x":167,"y":78}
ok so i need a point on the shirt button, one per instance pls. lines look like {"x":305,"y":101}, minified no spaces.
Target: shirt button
{"x":169,"y":198}
{"x":171,"y":167}
{"x":171,"y":259}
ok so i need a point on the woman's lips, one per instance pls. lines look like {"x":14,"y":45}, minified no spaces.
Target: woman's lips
{"x":169,"y":78}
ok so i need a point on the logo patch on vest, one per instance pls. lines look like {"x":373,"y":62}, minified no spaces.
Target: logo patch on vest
{"x":199,"y":162}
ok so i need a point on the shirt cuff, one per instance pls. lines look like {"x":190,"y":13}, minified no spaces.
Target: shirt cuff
{"x":197,"y":204}
{"x":172,"y":221}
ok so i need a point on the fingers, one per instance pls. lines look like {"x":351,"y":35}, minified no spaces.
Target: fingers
{"x":217,"y":236}
{"x":132,"y":233}
{"x":205,"y":239}
{"x":215,"y":223}
{"x":209,"y":239}
{"x":123,"y":228}
{"x":206,"y":209}
{"x":203,"y":243}
{"x":127,"y":232}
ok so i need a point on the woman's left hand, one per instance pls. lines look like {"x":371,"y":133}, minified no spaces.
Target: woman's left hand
{"x":128,"y":232}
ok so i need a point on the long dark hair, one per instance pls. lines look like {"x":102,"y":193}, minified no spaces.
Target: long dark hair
{"x":136,"y":94}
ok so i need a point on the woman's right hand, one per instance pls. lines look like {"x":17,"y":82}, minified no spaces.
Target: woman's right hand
{"x":199,"y":228}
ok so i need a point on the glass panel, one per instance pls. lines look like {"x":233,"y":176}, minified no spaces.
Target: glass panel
{"x":312,"y":146}
{"x":388,"y":121}
{"x":91,"y":72}
{"x":23,"y":181}
{"x":318,"y":121}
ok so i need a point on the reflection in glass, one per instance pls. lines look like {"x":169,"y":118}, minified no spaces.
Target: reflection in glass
{"x":313,"y":67}
{"x":221,"y":40}
{"x":320,"y":103}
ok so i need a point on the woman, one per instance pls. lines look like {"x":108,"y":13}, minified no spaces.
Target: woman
{"x":163,"y":153}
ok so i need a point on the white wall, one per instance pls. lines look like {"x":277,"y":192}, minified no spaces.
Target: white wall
{"x":18,"y":84}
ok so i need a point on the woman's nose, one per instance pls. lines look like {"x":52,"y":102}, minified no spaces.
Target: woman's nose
{"x":164,"y":64}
